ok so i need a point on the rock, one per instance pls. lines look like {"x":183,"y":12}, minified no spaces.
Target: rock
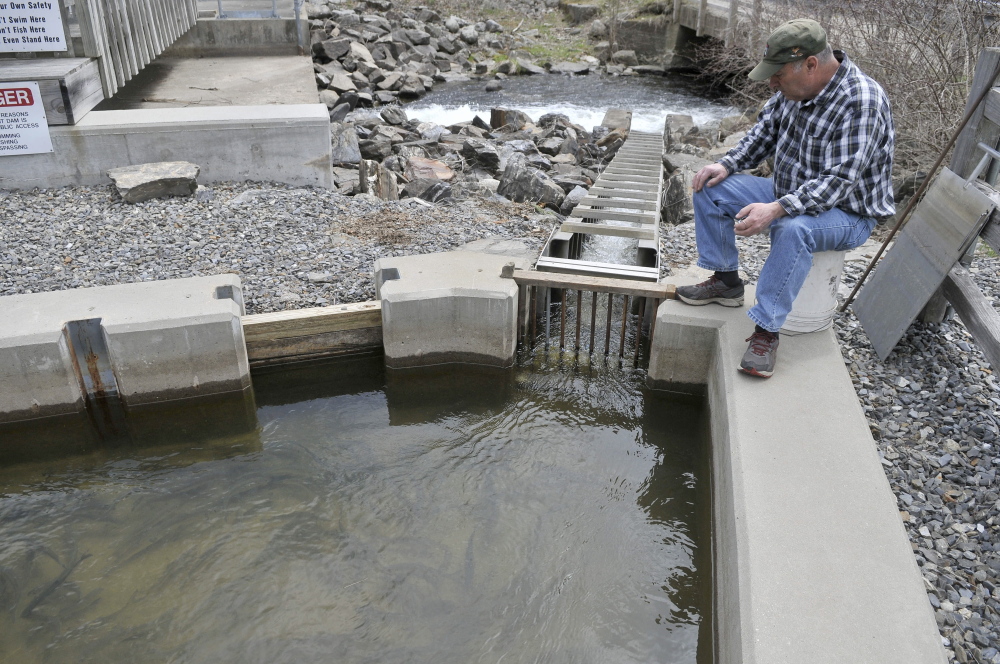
{"x":329,"y":97}
{"x":339,"y":112}
{"x":426,"y":15}
{"x":418,"y":37}
{"x":493,"y":86}
{"x":490,"y":183}
{"x":344,"y":142}
{"x":394,"y":115}
{"x":571,"y":68}
{"x":482,"y":153}
{"x":469,"y":35}
{"x":675,"y":201}
{"x":507,"y":117}
{"x":427,"y":189}
{"x":342,"y":83}
{"x":493,"y":26}
{"x":650,"y":70}
{"x":430,"y":131}
{"x":422,"y":168}
{"x":377,"y":148}
{"x":626,"y":58}
{"x":527,"y":67}
{"x":597,"y":29}
{"x":454,"y":24}
{"x":316,"y":11}
{"x":204,"y":194}
{"x":143,"y":182}
{"x":377,"y":180}
{"x":550,"y":146}
{"x":332,"y":49}
{"x":521,"y":182}
{"x":572,"y":199}
{"x":578,"y":14}
{"x":359,"y":51}
{"x":481,"y":124}
{"x":379,"y":5}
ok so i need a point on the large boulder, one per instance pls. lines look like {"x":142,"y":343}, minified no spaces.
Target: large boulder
{"x":428,"y":189}
{"x":332,"y":49}
{"x":394,"y":115}
{"x":571,"y":68}
{"x":420,"y":168}
{"x":482,"y":153}
{"x":521,"y":182}
{"x":469,"y":35}
{"x":675,"y":201}
{"x":377,"y":180}
{"x":344,"y":143}
{"x":626,"y":58}
{"x":143,"y":182}
{"x":578,"y":14}
{"x":572,"y":199}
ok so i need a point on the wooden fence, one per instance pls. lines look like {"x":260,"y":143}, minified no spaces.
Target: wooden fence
{"x":125,"y":35}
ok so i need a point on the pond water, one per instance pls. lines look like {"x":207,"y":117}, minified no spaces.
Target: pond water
{"x":584,"y":99}
{"x":546,"y":514}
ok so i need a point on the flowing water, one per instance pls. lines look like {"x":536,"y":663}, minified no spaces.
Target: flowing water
{"x":549,"y":514}
{"x":584,"y":99}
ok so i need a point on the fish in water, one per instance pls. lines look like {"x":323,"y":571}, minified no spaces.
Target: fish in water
{"x":49,"y":589}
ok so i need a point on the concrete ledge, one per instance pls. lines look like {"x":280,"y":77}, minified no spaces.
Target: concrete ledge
{"x":289,"y":144}
{"x":158,"y":341}
{"x":812,"y":563}
{"x":451,"y":307}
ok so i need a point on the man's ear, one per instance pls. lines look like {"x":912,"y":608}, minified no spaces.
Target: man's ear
{"x":812,"y":63}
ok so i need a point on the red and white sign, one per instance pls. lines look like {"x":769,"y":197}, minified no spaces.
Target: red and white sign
{"x":23,"y":127}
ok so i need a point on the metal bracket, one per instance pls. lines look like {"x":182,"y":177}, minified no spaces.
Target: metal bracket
{"x":981,"y":166}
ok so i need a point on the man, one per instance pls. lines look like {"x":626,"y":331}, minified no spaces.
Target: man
{"x":829,"y":129}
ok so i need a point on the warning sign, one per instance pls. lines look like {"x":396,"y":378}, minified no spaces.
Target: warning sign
{"x":31,"y":26}
{"x":23,"y":127}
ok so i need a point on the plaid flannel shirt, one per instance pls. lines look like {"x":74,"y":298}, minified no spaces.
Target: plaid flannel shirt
{"x":834,"y":150}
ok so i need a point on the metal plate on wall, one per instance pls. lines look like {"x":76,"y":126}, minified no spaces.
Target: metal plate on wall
{"x":946,"y":220}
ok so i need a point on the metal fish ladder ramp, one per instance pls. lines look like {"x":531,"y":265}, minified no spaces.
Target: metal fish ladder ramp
{"x":623,"y":202}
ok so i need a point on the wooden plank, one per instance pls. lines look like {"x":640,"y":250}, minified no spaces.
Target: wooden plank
{"x":731,"y":22}
{"x":137,"y":30}
{"x":617,"y":176}
{"x":976,"y":312}
{"x":624,"y":193}
{"x":597,"y":269}
{"x":595,"y":284}
{"x":645,"y":187}
{"x":115,"y":48}
{"x":604,"y":229}
{"x":359,"y":341}
{"x":593,"y":201}
{"x":144,"y":30}
{"x":991,"y":234}
{"x":925,"y":250}
{"x":312,"y":321}
{"x":612,"y":215}
{"x":965,"y":155}
{"x":153,"y":31}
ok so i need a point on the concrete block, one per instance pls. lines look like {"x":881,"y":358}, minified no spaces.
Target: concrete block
{"x":811,"y":560}
{"x":165,"y":341}
{"x":451,"y":307}
{"x":289,"y":144}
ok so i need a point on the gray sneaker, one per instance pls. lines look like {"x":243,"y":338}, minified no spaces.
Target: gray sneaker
{"x":713,"y":290}
{"x":761,"y":355}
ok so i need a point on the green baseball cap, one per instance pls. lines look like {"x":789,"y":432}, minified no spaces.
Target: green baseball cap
{"x":795,"y":40}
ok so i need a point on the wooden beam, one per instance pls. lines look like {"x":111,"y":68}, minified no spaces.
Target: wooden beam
{"x":964,"y":158}
{"x":624,"y":193}
{"x":991,"y":234}
{"x":605,"y":229}
{"x":617,"y":202}
{"x":976,"y":312}
{"x":612,"y":215}
{"x":595,"y":284}
{"x":313,"y":321}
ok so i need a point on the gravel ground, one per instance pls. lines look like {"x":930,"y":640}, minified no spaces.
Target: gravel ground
{"x":933,"y":406}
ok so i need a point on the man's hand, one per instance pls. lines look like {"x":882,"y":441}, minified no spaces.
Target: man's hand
{"x":756,"y":217}
{"x":709,"y":176}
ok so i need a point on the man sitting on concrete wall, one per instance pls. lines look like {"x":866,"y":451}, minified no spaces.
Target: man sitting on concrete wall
{"x":829,"y":129}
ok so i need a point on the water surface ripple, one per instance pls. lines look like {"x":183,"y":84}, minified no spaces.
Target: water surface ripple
{"x":535,"y":516}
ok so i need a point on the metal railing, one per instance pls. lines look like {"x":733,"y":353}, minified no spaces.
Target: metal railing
{"x":621,"y":314}
{"x":126,"y":35}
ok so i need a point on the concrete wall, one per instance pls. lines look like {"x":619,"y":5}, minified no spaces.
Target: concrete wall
{"x":812,"y":563}
{"x":289,"y":144}
{"x":239,"y":36}
{"x":165,"y":340}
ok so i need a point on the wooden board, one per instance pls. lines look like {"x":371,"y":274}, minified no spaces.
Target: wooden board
{"x":617,"y":202}
{"x":612,"y":215}
{"x":612,"y":231}
{"x":589,"y":283}
{"x":312,"y":321}
{"x":624,"y":193}
{"x":70,"y":87}
{"x":979,"y":316}
{"x":948,"y":217}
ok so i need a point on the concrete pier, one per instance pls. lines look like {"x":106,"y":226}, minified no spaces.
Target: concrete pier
{"x":811,"y":560}
{"x":63,"y":352}
{"x":448,"y":307}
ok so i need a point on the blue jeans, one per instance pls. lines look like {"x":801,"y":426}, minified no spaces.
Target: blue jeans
{"x":793,"y":241}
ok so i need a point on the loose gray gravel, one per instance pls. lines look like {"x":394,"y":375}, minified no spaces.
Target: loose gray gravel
{"x":933,"y":406}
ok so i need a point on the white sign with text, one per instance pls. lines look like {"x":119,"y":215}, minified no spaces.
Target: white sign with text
{"x":27,"y":25}
{"x":23,"y":127}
